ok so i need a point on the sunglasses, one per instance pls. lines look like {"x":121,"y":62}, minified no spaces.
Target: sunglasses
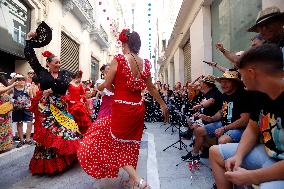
{"x":20,"y":79}
{"x":31,"y":73}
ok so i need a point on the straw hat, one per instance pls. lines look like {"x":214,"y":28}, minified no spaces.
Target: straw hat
{"x":231,"y":75}
{"x":209,"y":79}
{"x":266,"y":15}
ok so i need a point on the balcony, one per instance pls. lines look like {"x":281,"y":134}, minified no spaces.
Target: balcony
{"x":99,"y":35}
{"x":82,"y":9}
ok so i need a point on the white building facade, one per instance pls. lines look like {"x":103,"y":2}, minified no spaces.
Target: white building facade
{"x":83,"y":37}
{"x":199,"y":26}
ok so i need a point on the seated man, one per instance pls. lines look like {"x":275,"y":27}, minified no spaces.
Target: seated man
{"x":211,"y":103}
{"x":227,"y":124}
{"x":249,"y":162}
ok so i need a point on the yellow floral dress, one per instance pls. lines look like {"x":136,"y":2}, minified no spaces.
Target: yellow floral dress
{"x":6,"y":135}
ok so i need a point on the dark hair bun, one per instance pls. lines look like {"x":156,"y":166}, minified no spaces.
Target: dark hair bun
{"x":134,"y":42}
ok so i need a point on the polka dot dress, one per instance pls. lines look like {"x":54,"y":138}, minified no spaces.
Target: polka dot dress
{"x":114,"y":141}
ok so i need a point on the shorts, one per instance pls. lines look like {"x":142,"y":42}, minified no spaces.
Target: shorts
{"x":255,"y":159}
{"x":24,"y":115}
{"x":234,"y":134}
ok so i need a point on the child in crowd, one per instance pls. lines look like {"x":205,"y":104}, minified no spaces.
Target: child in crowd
{"x":21,"y":113}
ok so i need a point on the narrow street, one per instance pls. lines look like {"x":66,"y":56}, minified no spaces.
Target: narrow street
{"x":155,"y":165}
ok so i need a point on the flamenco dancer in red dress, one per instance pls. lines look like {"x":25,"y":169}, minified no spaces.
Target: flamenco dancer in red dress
{"x":56,"y":133}
{"x":113,"y":142}
{"x":76,"y":99}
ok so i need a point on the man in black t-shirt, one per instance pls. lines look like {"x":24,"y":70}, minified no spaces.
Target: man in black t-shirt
{"x":249,"y":162}
{"x":210,"y":105}
{"x":212,"y":101}
{"x":229,"y":122}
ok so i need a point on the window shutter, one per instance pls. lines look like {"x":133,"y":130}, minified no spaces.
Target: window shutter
{"x":187,"y":61}
{"x":69,"y":54}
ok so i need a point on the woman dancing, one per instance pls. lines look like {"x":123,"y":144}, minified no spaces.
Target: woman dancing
{"x":56,"y":133}
{"x":107,"y":96}
{"x":76,"y":99}
{"x":113,"y":142}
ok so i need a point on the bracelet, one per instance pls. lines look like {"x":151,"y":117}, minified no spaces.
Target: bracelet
{"x":224,"y":128}
{"x":215,"y":64}
{"x":223,"y":50}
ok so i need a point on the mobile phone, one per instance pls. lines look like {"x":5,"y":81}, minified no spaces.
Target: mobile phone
{"x":206,"y":62}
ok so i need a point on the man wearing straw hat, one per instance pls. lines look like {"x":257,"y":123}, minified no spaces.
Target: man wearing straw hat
{"x":269,"y":24}
{"x":229,"y":123}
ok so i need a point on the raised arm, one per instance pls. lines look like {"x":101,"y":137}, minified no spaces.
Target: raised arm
{"x":5,"y":89}
{"x":216,"y":65}
{"x":229,"y":55}
{"x":30,"y":54}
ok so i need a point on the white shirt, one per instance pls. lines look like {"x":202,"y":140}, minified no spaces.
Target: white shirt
{"x":105,"y":91}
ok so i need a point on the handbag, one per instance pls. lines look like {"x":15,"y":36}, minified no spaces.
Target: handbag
{"x":5,"y":108}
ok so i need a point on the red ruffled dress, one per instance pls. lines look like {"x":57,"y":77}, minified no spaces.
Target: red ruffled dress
{"x":114,"y":141}
{"x":77,"y":108}
{"x":56,"y":133}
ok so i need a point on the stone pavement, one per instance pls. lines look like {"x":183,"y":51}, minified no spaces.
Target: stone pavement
{"x":156,"y":166}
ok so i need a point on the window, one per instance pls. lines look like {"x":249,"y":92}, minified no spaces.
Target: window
{"x":94,"y":69}
{"x":14,"y":25}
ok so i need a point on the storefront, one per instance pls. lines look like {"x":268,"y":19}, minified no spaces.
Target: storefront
{"x":14,"y":25}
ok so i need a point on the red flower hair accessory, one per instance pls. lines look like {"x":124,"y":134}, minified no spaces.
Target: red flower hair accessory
{"x":47,"y":54}
{"x":124,"y":35}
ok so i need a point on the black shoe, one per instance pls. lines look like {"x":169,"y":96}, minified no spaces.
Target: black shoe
{"x":190,"y":157}
{"x":31,"y":142}
{"x":183,"y":134}
{"x":205,"y":153}
{"x":186,"y":134}
{"x":20,"y":144}
{"x":214,"y":186}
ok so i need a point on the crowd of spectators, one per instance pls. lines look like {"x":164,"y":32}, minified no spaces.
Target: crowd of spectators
{"x":243,"y":115}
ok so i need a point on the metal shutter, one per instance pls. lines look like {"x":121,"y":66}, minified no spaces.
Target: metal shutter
{"x":69,"y":53}
{"x":187,"y":61}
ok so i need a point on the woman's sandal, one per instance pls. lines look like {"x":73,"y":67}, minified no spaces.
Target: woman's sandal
{"x":142,"y":184}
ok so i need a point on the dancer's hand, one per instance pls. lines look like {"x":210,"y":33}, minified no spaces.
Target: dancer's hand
{"x":165,"y":112}
{"x":47,"y":92}
{"x":31,"y":35}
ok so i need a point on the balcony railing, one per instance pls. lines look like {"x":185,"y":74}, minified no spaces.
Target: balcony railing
{"x":100,"y":35}
{"x":82,"y":9}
